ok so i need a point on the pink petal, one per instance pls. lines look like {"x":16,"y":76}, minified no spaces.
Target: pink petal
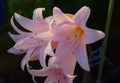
{"x":48,"y":80}
{"x":48,"y":49}
{"x":54,"y":44}
{"x":71,"y":78}
{"x":32,"y":25}
{"x":45,"y":36}
{"x":35,"y":54}
{"x":81,"y":56}
{"x":27,"y":43}
{"x":17,"y":37}
{"x":61,"y":31}
{"x":45,"y":49}
{"x":62,"y":51}
{"x":33,"y":78}
{"x":42,"y":72}
{"x":68,"y":64}
{"x":16,"y":52}
{"x":26,"y":58}
{"x":37,"y":14}
{"x":81,"y":16}
{"x":15,"y":28}
{"x":62,"y":27}
{"x":49,"y":19}
{"x":92,"y":35}
{"x":42,"y":57}
{"x":59,"y":16}
{"x":34,"y":57}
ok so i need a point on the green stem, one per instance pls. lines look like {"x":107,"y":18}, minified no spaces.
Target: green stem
{"x":107,"y":28}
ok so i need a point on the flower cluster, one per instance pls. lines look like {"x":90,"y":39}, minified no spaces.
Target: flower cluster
{"x":61,"y":36}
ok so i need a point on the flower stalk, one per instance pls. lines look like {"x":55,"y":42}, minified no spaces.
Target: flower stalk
{"x":105,"y":41}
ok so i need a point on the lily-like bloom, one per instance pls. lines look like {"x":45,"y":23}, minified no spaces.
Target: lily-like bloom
{"x":26,"y":43}
{"x":73,"y":35}
{"x":57,"y":73}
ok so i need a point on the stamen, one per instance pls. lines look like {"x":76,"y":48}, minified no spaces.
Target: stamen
{"x":69,"y":15}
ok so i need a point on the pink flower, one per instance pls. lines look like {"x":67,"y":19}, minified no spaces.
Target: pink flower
{"x":57,"y":73}
{"x":26,"y":43}
{"x":75,"y":35}
{"x":72,"y":35}
{"x":67,"y":34}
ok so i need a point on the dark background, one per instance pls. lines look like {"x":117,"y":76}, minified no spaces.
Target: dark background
{"x":10,"y":71}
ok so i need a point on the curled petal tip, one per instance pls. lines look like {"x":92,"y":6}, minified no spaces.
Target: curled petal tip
{"x":102,"y":34}
{"x":71,"y":76}
{"x":15,"y":14}
{"x":22,"y":67}
{"x":43,"y":9}
{"x":85,"y":8}
{"x":37,"y":14}
{"x":86,"y":67}
{"x":55,"y":8}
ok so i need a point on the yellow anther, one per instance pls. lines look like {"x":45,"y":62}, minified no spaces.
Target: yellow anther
{"x":69,"y":15}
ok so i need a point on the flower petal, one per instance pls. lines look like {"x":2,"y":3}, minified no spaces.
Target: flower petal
{"x":37,"y":14}
{"x":63,"y":49}
{"x":17,"y":37}
{"x":45,"y":36}
{"x":48,"y":80}
{"x":33,"y":78}
{"x":35,"y":54}
{"x":26,"y":58}
{"x":15,"y":28}
{"x":27,"y":43}
{"x":32,"y":25}
{"x":34,"y":57}
{"x":68,"y":64}
{"x":92,"y":35}
{"x":81,"y":16}
{"x":81,"y":56}
{"x":45,"y":49}
{"x":61,"y":31}
{"x":54,"y":44}
{"x":59,"y":16}
{"x":49,"y":49}
{"x":49,"y":19}
{"x":42,"y":57}
{"x":42,"y":72}
{"x":70,"y":78}
{"x":16,"y":52}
